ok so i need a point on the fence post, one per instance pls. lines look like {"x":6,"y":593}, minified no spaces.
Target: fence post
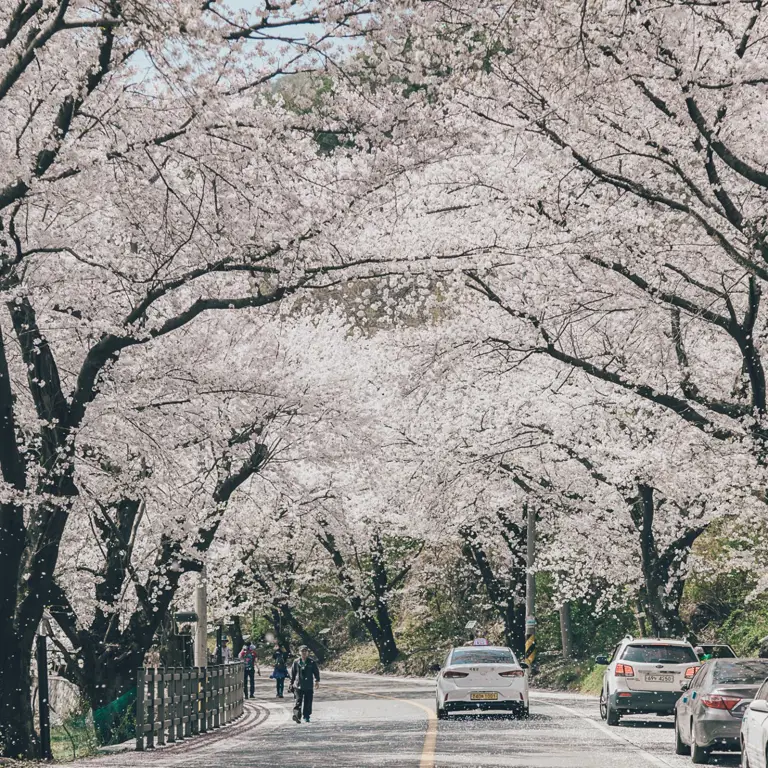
{"x":140,"y":694}
{"x":171,"y":707}
{"x":194,"y":701}
{"x":217,"y":698}
{"x":151,"y":718}
{"x":179,"y":680}
{"x":161,"y":716}
{"x":204,"y":703}
{"x":224,"y":696}
{"x":186,"y":701}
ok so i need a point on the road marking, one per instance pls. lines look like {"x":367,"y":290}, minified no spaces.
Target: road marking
{"x":613,"y":734}
{"x":430,"y":738}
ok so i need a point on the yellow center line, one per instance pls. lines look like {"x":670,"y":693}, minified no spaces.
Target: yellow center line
{"x":430,"y":738}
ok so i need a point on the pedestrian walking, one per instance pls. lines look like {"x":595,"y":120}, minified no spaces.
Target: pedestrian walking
{"x":305,"y":678}
{"x":226,"y":652}
{"x":248,"y":656}
{"x":280,"y":671}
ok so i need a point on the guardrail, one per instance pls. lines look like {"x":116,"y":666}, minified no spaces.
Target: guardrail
{"x":177,"y":703}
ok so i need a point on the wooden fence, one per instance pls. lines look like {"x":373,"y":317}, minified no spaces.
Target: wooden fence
{"x":177,"y":703}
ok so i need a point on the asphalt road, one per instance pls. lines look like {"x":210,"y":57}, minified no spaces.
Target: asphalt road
{"x":364,"y":720}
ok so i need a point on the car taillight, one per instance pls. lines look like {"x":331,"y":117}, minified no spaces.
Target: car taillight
{"x":454,"y":673}
{"x":512,"y":673}
{"x":720,"y":702}
{"x":690,"y":673}
{"x":624,"y":670}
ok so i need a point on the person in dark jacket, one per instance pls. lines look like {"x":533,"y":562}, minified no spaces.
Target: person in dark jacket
{"x":305,"y":678}
{"x":250,"y":662}
{"x":280,"y":672}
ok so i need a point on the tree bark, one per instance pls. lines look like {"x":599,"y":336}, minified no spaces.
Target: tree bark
{"x":379,"y":622}
{"x":662,"y":587}
{"x":17,"y":733}
{"x":502,"y":594}
{"x":319,"y":651}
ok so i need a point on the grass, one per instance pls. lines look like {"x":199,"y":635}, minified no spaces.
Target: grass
{"x":73,"y":740}
{"x":358,"y":658}
{"x":568,"y":675}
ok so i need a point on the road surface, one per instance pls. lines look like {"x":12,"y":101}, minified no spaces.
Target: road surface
{"x":365,"y":720}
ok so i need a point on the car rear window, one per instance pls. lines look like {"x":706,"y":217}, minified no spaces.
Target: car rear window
{"x":483,"y":656}
{"x":718,"y":651}
{"x":659,"y":654}
{"x":747,"y":672}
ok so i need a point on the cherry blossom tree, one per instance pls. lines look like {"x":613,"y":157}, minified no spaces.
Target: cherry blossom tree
{"x":149,"y":182}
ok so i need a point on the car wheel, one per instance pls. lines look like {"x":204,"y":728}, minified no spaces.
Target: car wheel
{"x":699,"y":755}
{"x":612,"y":717}
{"x":603,"y":706}
{"x":680,"y":747}
{"x":441,"y":713}
{"x":525,"y":713}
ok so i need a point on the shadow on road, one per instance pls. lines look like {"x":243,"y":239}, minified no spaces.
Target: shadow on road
{"x":485,"y":716}
{"x":664,"y":724}
{"x":726,"y":759}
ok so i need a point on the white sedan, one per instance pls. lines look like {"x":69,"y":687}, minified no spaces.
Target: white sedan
{"x":754,"y":731}
{"x":482,"y":677}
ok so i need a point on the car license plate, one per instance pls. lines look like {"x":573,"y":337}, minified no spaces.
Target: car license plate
{"x":659,"y":678}
{"x":484,"y":696}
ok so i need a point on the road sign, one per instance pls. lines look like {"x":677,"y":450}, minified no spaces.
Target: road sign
{"x":480,"y":641}
{"x":184,"y":617}
{"x":470,"y":625}
{"x":530,"y":622}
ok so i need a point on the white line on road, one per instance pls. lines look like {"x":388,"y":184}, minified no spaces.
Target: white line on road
{"x":613,"y":734}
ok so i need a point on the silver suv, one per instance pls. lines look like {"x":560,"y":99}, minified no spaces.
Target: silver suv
{"x":645,"y":676}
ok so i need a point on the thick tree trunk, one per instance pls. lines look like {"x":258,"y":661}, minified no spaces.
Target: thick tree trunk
{"x":379,"y":626}
{"x":663,"y":587}
{"x":501,"y":594}
{"x":236,"y":633}
{"x":319,"y":651}
{"x":17,"y":733}
{"x":383,"y":636}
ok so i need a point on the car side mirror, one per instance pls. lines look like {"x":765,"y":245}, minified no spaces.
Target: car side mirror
{"x":686,"y":685}
{"x":434,"y":667}
{"x":759,"y":705}
{"x":602,"y":660}
{"x":524,"y":665}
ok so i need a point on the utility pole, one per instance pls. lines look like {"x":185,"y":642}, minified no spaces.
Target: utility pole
{"x":565,"y":630}
{"x":530,"y":588}
{"x":201,"y":631}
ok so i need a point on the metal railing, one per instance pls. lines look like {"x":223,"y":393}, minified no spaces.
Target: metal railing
{"x":177,"y":703}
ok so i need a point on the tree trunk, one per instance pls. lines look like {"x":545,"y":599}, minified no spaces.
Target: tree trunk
{"x":383,"y":636}
{"x":17,"y":733}
{"x":319,"y":651}
{"x":502,"y":595}
{"x":236,"y":633}
{"x":662,"y":587}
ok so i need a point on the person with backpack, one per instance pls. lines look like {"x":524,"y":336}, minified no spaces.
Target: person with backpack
{"x":280,"y":671}
{"x":250,"y":663}
{"x":305,"y":678}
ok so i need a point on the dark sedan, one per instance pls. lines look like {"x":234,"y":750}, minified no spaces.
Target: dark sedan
{"x":708,"y":714}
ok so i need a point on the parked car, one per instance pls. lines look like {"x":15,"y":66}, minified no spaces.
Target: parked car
{"x":482,"y":677}
{"x":708,"y":714}
{"x":645,"y":676}
{"x":707,"y":651}
{"x":754,"y":731}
